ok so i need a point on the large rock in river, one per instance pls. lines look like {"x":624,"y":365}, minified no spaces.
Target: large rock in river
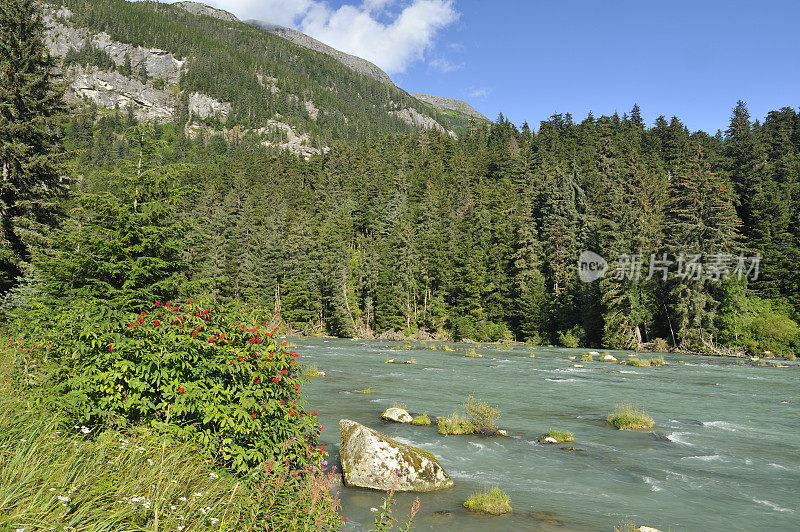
{"x":371,"y":459}
{"x":397,"y":415}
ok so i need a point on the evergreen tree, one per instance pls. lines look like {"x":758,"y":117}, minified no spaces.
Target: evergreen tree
{"x":31,"y":106}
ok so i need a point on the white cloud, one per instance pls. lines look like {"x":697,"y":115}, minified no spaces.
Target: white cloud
{"x":479,"y":93}
{"x":442,"y":64}
{"x":391,"y":33}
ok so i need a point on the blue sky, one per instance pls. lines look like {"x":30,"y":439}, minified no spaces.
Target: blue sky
{"x":530,"y":59}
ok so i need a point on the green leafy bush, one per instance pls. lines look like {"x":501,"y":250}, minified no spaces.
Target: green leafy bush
{"x":481,"y":415}
{"x":55,"y":476}
{"x":421,"y":420}
{"x":759,"y":325}
{"x":455,"y":424}
{"x":215,"y":373}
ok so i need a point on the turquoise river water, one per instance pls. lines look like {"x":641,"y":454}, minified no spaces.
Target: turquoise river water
{"x":725,"y":453}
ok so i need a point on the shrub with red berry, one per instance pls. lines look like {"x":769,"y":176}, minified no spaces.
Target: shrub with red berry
{"x":216,"y":374}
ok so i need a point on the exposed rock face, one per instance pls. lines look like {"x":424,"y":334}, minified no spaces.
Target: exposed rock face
{"x":60,"y":38}
{"x":111,"y":89}
{"x":449,"y":104}
{"x":196,"y":8}
{"x":362,"y":66}
{"x":397,"y":415}
{"x":205,"y":106}
{"x":412,"y":117}
{"x":371,"y":459}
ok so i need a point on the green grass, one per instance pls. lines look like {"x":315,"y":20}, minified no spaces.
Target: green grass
{"x":471,"y":353}
{"x":421,"y":420}
{"x":54,"y":476}
{"x":366,"y":391}
{"x":627,"y":416}
{"x":646,"y":362}
{"x":493,"y":501}
{"x":561,"y":435}
{"x":312,"y":371}
{"x":455,"y":424}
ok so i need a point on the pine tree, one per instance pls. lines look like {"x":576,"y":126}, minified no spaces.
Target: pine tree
{"x":701,"y":220}
{"x":31,"y":106}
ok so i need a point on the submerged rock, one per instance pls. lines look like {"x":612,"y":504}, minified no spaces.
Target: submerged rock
{"x":371,"y":460}
{"x":398,"y":415}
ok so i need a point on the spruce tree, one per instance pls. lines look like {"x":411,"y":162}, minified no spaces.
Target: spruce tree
{"x":31,"y":107}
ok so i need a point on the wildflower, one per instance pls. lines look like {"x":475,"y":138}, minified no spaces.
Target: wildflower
{"x":181,"y":390}
{"x":283,"y":402}
{"x":314,"y":413}
{"x":155,"y":323}
{"x":241,"y":359}
{"x":284,"y":372}
{"x":150,"y":462}
{"x":190,"y":301}
{"x":324,"y":462}
{"x":211,"y":340}
{"x":297,"y":386}
{"x":158,"y":303}
{"x":253,"y":415}
{"x":168,"y":304}
{"x":275,"y":379}
{"x":256,"y":381}
{"x":213,"y":476}
{"x":213,"y":520}
{"x":86,"y":430}
{"x":110,"y":349}
{"x":194,"y":334}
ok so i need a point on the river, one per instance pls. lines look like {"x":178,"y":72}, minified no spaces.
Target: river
{"x":724,"y":455}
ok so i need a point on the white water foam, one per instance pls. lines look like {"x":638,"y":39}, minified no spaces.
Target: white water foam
{"x":778,"y":466}
{"x":705,"y":458}
{"x":480,"y":446}
{"x":773,"y":506}
{"x":676,"y":437}
{"x":561,"y":380}
{"x":724,"y":425}
{"x":653,"y":483}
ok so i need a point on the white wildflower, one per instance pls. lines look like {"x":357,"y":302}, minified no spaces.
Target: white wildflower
{"x":214,"y":520}
{"x":213,"y":476}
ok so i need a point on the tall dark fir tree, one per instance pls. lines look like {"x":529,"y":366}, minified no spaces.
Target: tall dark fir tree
{"x":31,"y":107}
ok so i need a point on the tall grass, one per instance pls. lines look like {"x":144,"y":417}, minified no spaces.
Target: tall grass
{"x":492,"y":501}
{"x":53,"y":476}
{"x":627,"y":416}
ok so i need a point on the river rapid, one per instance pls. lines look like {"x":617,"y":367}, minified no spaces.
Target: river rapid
{"x":724,"y":454}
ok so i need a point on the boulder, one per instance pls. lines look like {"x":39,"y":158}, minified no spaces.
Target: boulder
{"x":371,"y":460}
{"x":502,"y":432}
{"x":397,"y":415}
{"x":548,"y":439}
{"x":607,"y":358}
{"x":648,"y":529}
{"x":594,"y":353}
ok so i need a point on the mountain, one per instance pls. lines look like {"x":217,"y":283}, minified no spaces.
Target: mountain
{"x":197,"y":8}
{"x":449,"y":104}
{"x":362,"y":66}
{"x":218,"y":75}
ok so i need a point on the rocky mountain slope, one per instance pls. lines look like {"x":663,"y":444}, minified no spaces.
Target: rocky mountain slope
{"x":222,"y":76}
{"x":357,"y":64}
{"x":362,"y":66}
{"x":441,"y":102}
